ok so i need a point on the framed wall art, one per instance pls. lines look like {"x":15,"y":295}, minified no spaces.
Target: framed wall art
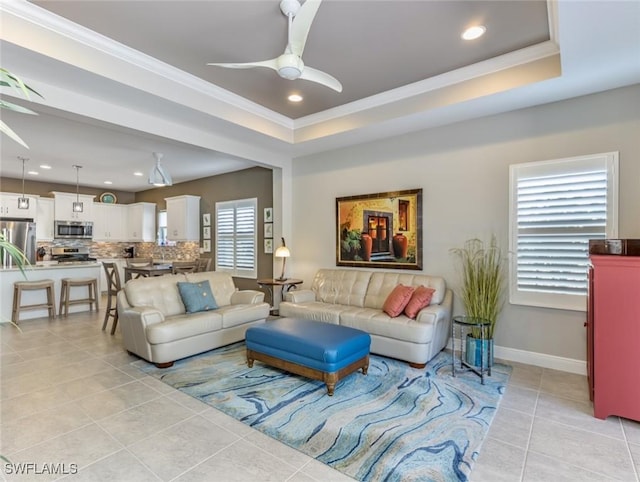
{"x":268,"y":246}
{"x":381,"y":230}
{"x":268,"y":230}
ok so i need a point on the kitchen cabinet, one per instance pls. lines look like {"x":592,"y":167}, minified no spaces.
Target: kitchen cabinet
{"x":110,"y":222}
{"x":613,"y":336}
{"x":142,"y":222}
{"x":44,"y":219}
{"x":63,"y":207}
{"x":183,"y":218}
{"x":9,"y":206}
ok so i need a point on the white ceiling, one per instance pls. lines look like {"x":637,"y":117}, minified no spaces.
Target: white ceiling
{"x":402,"y":65}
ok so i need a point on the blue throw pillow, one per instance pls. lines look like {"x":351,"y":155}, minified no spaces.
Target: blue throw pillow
{"x":197,"y":296}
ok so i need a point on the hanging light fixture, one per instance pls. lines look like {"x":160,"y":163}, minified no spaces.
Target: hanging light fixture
{"x":77,"y":206}
{"x":158,"y":176}
{"x":282,"y":252}
{"x":23,"y":202}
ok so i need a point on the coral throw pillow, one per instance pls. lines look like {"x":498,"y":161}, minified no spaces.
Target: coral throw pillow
{"x":397,"y":300}
{"x":420,"y":298}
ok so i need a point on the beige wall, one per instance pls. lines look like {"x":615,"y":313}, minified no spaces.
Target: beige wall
{"x":255,"y":182}
{"x":463,"y":170}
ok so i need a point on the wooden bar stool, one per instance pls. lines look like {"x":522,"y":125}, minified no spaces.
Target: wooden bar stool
{"x":43,"y":284}
{"x":113,"y":282}
{"x":68,"y":283}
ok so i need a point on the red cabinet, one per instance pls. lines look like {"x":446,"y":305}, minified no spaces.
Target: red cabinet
{"x":613,"y":336}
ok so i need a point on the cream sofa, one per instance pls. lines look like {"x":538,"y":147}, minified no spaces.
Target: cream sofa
{"x":355,"y":298}
{"x":156,"y":327}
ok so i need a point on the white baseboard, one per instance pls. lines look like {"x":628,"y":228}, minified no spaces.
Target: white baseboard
{"x":537,"y":359}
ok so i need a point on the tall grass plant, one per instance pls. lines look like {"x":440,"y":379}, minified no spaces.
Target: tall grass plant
{"x":482,"y":280}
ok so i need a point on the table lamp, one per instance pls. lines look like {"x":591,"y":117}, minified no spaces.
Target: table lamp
{"x":283,"y":252}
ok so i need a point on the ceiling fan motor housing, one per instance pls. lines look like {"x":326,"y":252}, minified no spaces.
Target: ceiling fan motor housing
{"x":290,"y":66}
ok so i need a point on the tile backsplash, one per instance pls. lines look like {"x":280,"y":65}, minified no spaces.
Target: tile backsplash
{"x":102,"y":250}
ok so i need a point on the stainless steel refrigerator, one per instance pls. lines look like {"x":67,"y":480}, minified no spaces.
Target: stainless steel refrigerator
{"x":22,"y":234}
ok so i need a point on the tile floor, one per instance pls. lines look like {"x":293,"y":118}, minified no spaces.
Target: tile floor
{"x":70,"y":397}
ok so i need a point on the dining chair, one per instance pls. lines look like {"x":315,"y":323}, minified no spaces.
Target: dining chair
{"x":113,"y":286}
{"x":184,"y":267}
{"x":204,"y":264}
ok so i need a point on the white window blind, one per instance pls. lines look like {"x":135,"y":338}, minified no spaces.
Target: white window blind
{"x":236,"y":237}
{"x":556,"y":208}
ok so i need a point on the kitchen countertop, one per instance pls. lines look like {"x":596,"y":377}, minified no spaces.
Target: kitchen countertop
{"x":55,"y":272}
{"x":55,"y":265}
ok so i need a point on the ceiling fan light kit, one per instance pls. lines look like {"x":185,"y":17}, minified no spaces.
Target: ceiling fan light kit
{"x":289,"y":65}
{"x":158,"y":176}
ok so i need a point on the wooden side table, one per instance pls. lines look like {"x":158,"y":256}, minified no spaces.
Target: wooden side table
{"x":467,"y":323}
{"x":285,"y":285}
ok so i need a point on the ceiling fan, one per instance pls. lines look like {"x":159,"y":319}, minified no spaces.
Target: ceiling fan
{"x":289,"y":65}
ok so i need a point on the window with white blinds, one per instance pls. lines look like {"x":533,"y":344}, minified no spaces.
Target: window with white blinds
{"x":236,"y":237}
{"x":556,"y":207}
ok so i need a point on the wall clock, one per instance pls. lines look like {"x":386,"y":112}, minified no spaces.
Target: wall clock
{"x":108,"y":198}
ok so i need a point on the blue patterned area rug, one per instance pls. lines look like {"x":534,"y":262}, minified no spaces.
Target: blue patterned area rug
{"x":397,"y":423}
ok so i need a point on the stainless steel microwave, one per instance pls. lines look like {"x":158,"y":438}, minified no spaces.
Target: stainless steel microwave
{"x":73,"y":229}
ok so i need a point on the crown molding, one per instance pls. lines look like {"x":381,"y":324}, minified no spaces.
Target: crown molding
{"x":36,"y":15}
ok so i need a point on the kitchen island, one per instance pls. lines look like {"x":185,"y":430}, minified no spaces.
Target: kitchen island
{"x":39,"y":271}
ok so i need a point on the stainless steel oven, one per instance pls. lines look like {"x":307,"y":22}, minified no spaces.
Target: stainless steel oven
{"x":73,"y":230}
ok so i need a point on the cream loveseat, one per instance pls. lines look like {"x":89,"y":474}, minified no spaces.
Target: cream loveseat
{"x":355,"y":298}
{"x":156,"y":326}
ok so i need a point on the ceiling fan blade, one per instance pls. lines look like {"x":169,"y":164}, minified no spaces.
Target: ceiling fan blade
{"x":270,"y":64}
{"x":320,"y":77}
{"x":302,"y":24}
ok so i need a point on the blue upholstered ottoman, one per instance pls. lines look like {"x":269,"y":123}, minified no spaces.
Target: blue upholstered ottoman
{"x":313,"y":349}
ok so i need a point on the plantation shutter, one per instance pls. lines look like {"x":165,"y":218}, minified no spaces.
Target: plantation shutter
{"x":557,"y":207}
{"x":236,"y":237}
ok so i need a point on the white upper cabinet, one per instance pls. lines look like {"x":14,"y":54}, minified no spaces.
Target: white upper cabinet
{"x":44,"y":219}
{"x":183,"y":218}
{"x":110,"y":222}
{"x":9,"y":206}
{"x":142,"y":222}
{"x":64,"y":207}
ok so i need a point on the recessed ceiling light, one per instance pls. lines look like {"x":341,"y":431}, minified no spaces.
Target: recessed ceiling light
{"x":295,"y":98}
{"x":138,"y":173}
{"x":45,"y":166}
{"x":33,"y":173}
{"x":108,"y":182}
{"x":474,"y":32}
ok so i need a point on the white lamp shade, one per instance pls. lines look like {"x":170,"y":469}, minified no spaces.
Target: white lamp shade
{"x":282,"y":252}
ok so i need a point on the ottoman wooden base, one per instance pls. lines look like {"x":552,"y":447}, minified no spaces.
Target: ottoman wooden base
{"x":329,"y":378}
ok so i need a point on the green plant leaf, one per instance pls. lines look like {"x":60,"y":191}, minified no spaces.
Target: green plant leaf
{"x":4,"y":128}
{"x":16,"y":108}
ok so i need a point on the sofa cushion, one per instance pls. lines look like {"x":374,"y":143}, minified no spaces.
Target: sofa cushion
{"x":197,"y":296}
{"x":341,"y":286}
{"x":382,"y":283}
{"x":184,"y":326}
{"x":397,"y":300}
{"x":159,"y":292}
{"x":313,"y":310}
{"x":222,"y":285}
{"x":420,"y":298}
{"x":378,"y":323}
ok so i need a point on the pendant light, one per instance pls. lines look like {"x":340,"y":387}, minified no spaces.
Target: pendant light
{"x":23,"y":202}
{"x":77,"y":206}
{"x":158,"y":176}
